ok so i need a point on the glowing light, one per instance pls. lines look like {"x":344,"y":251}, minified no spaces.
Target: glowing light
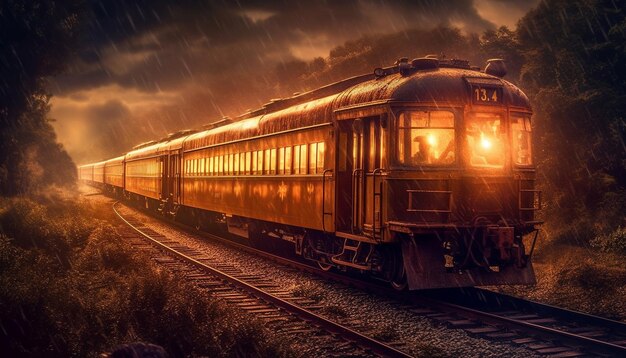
{"x":485,"y":142}
{"x":432,"y":140}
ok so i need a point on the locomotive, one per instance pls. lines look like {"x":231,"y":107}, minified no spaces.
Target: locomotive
{"x":419,"y":174}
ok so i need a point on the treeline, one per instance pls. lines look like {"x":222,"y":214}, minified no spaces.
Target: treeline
{"x":569,"y":57}
{"x":36,"y":38}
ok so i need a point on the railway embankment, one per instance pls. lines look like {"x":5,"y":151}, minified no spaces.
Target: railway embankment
{"x":71,"y":286}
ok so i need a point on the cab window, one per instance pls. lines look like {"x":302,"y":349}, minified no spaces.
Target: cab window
{"x":426,"y":138}
{"x":521,"y":139}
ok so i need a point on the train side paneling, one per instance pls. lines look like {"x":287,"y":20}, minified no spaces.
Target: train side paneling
{"x":85,"y":173}
{"x":276,"y":178}
{"x":144,"y":176}
{"x":98,"y":173}
{"x":114,"y":172}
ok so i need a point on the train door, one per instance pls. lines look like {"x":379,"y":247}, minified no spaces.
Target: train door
{"x":174,"y":178}
{"x":359,"y":163}
{"x":163,"y":164}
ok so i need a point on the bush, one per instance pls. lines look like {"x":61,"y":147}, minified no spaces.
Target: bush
{"x":613,"y":242}
{"x":70,"y":286}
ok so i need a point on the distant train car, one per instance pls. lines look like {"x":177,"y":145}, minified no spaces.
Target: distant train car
{"x":85,"y":173}
{"x":98,"y":174}
{"x":114,"y":175}
{"x":420,"y":174}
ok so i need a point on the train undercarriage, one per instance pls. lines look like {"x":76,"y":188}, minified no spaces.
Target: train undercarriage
{"x":459,"y":256}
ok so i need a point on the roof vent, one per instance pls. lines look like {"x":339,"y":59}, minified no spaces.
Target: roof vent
{"x":403,"y":66}
{"x":496,"y":67}
{"x":425,"y":63}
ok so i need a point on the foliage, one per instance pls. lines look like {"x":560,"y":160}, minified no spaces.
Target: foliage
{"x":69,"y":286}
{"x":574,"y":72}
{"x":612,"y":242}
{"x":36,"y":38}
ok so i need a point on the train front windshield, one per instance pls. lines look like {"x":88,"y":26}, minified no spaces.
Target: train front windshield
{"x":485,"y":138}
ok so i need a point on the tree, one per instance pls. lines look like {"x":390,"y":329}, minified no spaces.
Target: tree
{"x":36,"y":38}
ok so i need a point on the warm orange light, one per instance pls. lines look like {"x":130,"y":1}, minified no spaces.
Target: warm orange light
{"x":485,"y":142}
{"x":432,"y":140}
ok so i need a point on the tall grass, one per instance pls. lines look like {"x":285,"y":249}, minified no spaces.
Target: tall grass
{"x":70,"y":286}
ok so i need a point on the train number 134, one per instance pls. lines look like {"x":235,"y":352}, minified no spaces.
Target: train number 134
{"x":486,"y":95}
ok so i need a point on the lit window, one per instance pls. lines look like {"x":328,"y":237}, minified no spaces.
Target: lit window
{"x":288,"y":160}
{"x":266,"y":161}
{"x":221,"y":169}
{"x":426,"y":138}
{"x":242,"y":163}
{"x":273,"y":161}
{"x":201,"y":168}
{"x":211,"y":165}
{"x":296,"y":159}
{"x":281,"y":160}
{"x":248,"y":159}
{"x":521,"y":139}
{"x":254,"y":163}
{"x":235,"y":164}
{"x":303,"y":160}
{"x":485,"y":138}
{"x":320,"y":157}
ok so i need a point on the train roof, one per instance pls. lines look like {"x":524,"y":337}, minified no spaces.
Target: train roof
{"x":115,"y":160}
{"x":438,"y":83}
{"x":443,"y":87}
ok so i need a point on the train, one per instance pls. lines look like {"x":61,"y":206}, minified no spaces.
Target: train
{"x":419,"y":174}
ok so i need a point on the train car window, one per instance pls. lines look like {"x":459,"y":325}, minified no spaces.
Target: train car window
{"x":231,"y":164}
{"x":320,"y":157}
{"x":296,"y":159}
{"x":201,"y":171}
{"x":210,"y":166}
{"x":266,"y":162}
{"x":288,"y":160}
{"x":255,"y":170}
{"x":281,"y":160}
{"x":521,"y":139}
{"x":221,"y":165}
{"x":259,"y":161}
{"x":248,"y":158}
{"x":426,"y":138}
{"x":303,"y":159}
{"x":242,"y":163}
{"x":485,"y":136}
{"x":235,"y":169}
{"x":312,"y":158}
{"x":273,"y":161}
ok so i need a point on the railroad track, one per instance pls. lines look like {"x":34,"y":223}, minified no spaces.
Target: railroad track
{"x":545,"y":329}
{"x":256,"y":295}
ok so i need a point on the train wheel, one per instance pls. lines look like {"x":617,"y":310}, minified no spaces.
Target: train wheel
{"x":393,"y":268}
{"x":324,"y":266}
{"x":400,"y":283}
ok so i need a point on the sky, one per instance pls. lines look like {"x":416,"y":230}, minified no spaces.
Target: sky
{"x":145,"y":68}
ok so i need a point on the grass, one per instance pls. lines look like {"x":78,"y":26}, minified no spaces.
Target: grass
{"x":70,"y":286}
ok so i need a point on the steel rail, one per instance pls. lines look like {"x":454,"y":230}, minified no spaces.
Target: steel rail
{"x":333,"y":327}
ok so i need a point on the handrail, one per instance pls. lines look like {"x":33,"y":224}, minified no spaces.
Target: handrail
{"x":380,"y":193}
{"x":355,"y":199}
{"x":324,"y":213}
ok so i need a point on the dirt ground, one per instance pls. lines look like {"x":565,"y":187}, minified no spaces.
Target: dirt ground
{"x":577,"y":278}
